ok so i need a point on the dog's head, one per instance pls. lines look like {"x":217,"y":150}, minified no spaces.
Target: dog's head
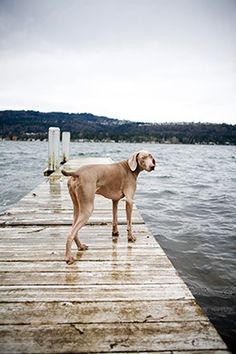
{"x":142,"y":159}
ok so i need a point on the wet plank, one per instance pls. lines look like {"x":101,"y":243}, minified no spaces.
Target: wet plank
{"x":124,"y":292}
{"x":120,"y":337}
{"x":55,"y":236}
{"x":57,"y":255}
{"x":161,"y":276}
{"x":118,"y":297}
{"x":107,"y":312}
{"x":60,"y":219}
{"x":150,"y":265}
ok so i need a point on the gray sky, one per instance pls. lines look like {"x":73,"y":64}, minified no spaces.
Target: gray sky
{"x":144,"y":60}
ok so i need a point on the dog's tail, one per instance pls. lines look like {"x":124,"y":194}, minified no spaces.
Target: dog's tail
{"x":69,"y":173}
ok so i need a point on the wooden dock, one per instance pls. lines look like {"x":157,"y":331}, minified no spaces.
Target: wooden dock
{"x":118,"y":297}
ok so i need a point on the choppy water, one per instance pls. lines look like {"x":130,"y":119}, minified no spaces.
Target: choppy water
{"x":189,"y":203}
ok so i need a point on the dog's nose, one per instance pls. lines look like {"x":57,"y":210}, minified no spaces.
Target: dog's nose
{"x":153,"y":164}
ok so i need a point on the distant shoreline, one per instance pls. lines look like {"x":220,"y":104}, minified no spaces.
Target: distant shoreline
{"x":117,"y":142}
{"x":86,"y":127}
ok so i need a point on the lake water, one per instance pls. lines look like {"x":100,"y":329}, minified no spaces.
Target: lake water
{"x":189,"y":203}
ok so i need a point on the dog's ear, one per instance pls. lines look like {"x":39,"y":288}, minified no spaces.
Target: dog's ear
{"x":132,"y":161}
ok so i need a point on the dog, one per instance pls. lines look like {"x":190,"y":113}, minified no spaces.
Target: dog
{"x":113,"y":181}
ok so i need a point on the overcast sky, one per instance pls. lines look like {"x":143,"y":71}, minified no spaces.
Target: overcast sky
{"x":142,"y":60}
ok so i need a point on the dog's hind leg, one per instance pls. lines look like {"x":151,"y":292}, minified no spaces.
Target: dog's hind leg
{"x":75,"y":201}
{"x":82,"y":219}
{"x":86,"y":202}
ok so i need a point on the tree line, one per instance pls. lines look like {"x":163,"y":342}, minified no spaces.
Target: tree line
{"x":26,"y":125}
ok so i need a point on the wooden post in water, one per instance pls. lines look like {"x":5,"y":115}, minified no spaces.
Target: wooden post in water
{"x":53,"y":150}
{"x":65,"y":146}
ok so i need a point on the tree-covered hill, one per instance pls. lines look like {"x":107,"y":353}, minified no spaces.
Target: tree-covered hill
{"x":31,"y":124}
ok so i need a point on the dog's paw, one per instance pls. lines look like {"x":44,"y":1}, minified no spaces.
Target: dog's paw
{"x":83,"y":247}
{"x":70,"y":260}
{"x":131,"y":238}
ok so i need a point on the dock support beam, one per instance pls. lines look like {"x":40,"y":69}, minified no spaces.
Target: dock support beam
{"x":53,"y":150}
{"x":65,"y":146}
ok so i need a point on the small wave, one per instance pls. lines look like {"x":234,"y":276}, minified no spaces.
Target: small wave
{"x":200,"y":186}
{"x":165,"y":177}
{"x":166,"y":192}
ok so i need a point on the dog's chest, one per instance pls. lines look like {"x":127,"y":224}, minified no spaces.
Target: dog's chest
{"x":110,"y":193}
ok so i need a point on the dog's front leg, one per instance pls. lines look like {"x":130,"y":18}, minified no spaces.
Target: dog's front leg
{"x":115,"y":231}
{"x":129,"y":209}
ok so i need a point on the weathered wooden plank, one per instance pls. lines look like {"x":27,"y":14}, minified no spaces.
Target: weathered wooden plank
{"x":126,"y":292}
{"x":57,"y":193}
{"x":58,"y":255}
{"x":93,"y":245}
{"x":25,"y":207}
{"x":119,"y":337}
{"x":65,"y":214}
{"x":106,"y":312}
{"x":149,"y":264}
{"x":93,"y":234}
{"x":67,"y":210}
{"x":53,"y":244}
{"x":54,"y":219}
{"x":50,"y":231}
{"x":163,"y":276}
{"x":58,"y":202}
{"x":128,"y":254}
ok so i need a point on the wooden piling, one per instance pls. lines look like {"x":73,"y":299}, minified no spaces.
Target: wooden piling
{"x":65,"y":147}
{"x":53,"y":150}
{"x":117,"y":297}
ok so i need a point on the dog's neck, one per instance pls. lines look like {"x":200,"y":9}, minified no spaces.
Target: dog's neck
{"x":138,"y":170}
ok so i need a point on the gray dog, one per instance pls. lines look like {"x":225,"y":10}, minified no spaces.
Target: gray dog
{"x":113,"y":181}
